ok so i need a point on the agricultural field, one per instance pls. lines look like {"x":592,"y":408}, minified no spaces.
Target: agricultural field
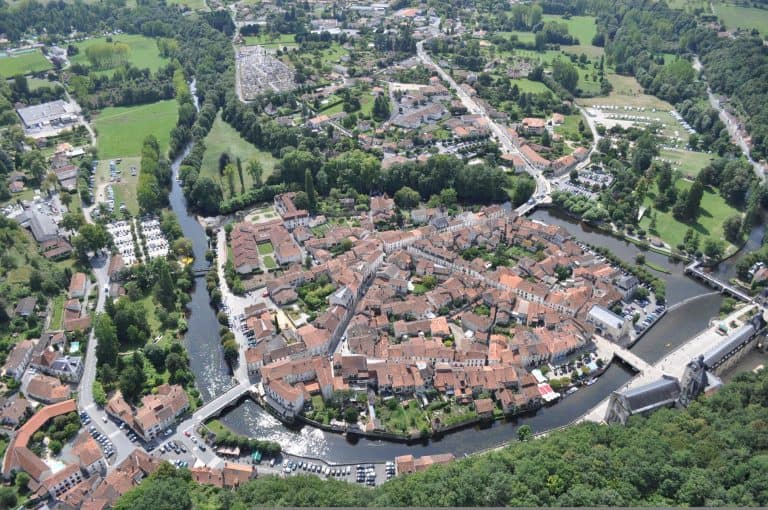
{"x":735,"y":16}
{"x":224,"y":138}
{"x":714,"y":210}
{"x":24,"y":63}
{"x":120,"y":131}
{"x":125,"y":190}
{"x":142,"y":51}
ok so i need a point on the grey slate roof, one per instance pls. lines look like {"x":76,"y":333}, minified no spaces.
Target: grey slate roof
{"x":652,"y":395}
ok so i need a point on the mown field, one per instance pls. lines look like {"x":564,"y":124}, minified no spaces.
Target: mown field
{"x":735,"y":16}
{"x":143,"y":52}
{"x":714,"y":210}
{"x":26,"y":63}
{"x":224,"y":138}
{"x":121,"y":130}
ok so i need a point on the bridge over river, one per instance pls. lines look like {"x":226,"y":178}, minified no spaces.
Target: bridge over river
{"x":673,"y":363}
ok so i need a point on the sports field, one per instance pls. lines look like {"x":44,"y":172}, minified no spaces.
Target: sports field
{"x":121,"y":130}
{"x":142,"y":51}
{"x":24,"y":63}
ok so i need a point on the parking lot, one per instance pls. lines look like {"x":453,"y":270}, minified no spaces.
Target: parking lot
{"x":647,"y":311}
{"x":370,"y":474}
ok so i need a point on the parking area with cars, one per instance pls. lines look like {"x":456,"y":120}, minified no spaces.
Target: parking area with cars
{"x":104,"y":442}
{"x":370,"y":474}
{"x":647,"y":313}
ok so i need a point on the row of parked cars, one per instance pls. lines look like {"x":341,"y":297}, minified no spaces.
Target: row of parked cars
{"x":106,"y":444}
{"x":174,"y":446}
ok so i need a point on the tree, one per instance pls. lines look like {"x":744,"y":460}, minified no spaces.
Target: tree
{"x":132,"y":380}
{"x":524,"y":433}
{"x":546,"y":139}
{"x":565,"y":74}
{"x":8,"y":498}
{"x":223,"y":162}
{"x":239,"y":165}
{"x":107,"y":347}
{"x":713,"y":249}
{"x":309,"y":188}
{"x":156,"y":355}
{"x":165,"y":289}
{"x":55,"y":446}
{"x":407,"y":198}
{"x":206,"y":196}
{"x":381,"y":108}
{"x":231,"y":352}
{"x":732,"y":228}
{"x":21,"y":481}
{"x":640,"y":259}
{"x":229,"y":173}
{"x":255,"y":170}
{"x":351,"y":414}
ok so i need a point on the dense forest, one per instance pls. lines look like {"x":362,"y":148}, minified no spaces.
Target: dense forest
{"x":715,"y":453}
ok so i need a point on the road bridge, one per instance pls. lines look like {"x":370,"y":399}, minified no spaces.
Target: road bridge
{"x":695,"y":271}
{"x":673,"y":363}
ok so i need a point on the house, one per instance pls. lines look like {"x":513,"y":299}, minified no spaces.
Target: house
{"x":13,"y":410}
{"x":408,"y":464}
{"x":87,"y":450}
{"x":78,"y":285}
{"x":533,"y":126}
{"x":627,"y":285}
{"x":608,"y":323}
{"x":286,"y":400}
{"x":66,"y":368}
{"x":292,"y":217}
{"x":26,"y":306}
{"x":47,"y":389}
{"x":18,"y":359}
{"x":484,"y":407}
{"x":157,"y":413}
{"x":16,"y":187}
{"x":115,"y":269}
{"x":56,"y":249}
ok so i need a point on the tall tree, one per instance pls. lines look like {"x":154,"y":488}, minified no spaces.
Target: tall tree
{"x":107,"y":346}
{"x":309,"y":188}
{"x":255,"y":170}
{"x":239,"y":165}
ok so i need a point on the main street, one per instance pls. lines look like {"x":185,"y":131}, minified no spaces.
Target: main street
{"x":543,"y":188}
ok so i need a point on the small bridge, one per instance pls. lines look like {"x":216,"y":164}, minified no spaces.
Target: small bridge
{"x":223,"y":401}
{"x":201,"y":271}
{"x":694,"y":271}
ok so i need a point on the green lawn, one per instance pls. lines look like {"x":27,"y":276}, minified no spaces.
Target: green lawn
{"x":524,"y":37}
{"x":270,"y":262}
{"x":714,"y":210}
{"x":125,"y":190}
{"x":143,"y":52}
{"x":37,"y":83}
{"x":626,"y":92}
{"x":57,"y":311}
{"x":333,"y":54}
{"x":265,"y":248}
{"x":191,"y":4}
{"x":570,"y":128}
{"x":735,"y":16}
{"x":689,"y":163}
{"x":582,"y":27}
{"x":271,"y":40}
{"x":402,"y":420}
{"x":26,"y":63}
{"x":121,"y":130}
{"x":526,"y":85}
{"x":224,"y":138}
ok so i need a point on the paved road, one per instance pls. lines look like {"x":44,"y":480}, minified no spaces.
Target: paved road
{"x":543,"y":187}
{"x":731,"y":123}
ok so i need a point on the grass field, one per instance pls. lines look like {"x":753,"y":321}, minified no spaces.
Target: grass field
{"x":526,"y":85}
{"x":714,"y":210}
{"x":524,"y":37}
{"x":125,"y":190}
{"x":270,"y":41}
{"x":121,"y":130}
{"x":224,"y":138}
{"x":27,"y":63}
{"x":143,"y":52}
{"x":582,"y":27}
{"x":735,"y":16}
{"x":627,"y":92}
{"x":37,"y":83}
{"x":265,"y":248}
{"x":57,"y":309}
{"x":570,"y":128}
{"x":269,"y":262}
{"x":191,"y":4}
{"x":689,"y":163}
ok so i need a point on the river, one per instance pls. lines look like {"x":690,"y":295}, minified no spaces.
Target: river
{"x":214,"y":377}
